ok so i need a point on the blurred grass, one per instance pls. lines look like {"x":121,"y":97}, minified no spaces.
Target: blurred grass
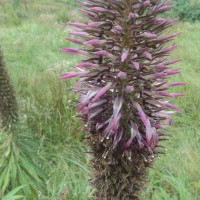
{"x":31,"y":41}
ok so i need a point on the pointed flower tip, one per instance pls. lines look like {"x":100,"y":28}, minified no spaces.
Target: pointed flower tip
{"x":122,"y":75}
{"x":171,"y":106}
{"x":95,"y":42}
{"x":87,"y":64}
{"x":74,"y":40}
{"x":146,"y":3}
{"x":124,"y":55}
{"x":72,"y":74}
{"x":178,"y":33}
{"x":102,"y":53}
{"x":102,"y":91}
{"x":166,"y":94}
{"x":84,"y":3}
{"x":148,"y":55}
{"x":143,"y":116}
{"x":73,"y":51}
{"x":171,"y":62}
{"x":177,"y":95}
{"x":178,"y":83}
{"x":105,"y":53}
{"x":136,"y":65}
{"x":98,"y":9}
{"x":150,"y":35}
{"x":129,"y":89}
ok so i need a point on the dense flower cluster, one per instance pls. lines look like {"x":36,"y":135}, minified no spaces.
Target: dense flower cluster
{"x":124,"y":86}
{"x":124,"y":72}
{"x":8,"y":102}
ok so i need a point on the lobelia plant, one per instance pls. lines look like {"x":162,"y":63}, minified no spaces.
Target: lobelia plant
{"x":124,"y":87}
{"x":8,"y":102}
{"x":17,"y":146}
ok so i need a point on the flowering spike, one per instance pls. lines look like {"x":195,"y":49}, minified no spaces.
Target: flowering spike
{"x":8,"y":101}
{"x":123,"y":85}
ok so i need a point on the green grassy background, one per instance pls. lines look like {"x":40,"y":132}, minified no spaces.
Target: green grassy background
{"x":31,"y":34}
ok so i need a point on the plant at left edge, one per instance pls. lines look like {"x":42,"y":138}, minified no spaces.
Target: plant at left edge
{"x":19,"y":174}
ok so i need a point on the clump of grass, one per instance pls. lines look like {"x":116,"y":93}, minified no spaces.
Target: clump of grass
{"x":64,"y":15}
{"x":17,"y":166}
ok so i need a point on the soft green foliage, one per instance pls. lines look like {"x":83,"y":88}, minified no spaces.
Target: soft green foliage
{"x":18,"y":150}
{"x":18,"y":11}
{"x":32,"y":53}
{"x":186,"y":10}
{"x":13,"y":194}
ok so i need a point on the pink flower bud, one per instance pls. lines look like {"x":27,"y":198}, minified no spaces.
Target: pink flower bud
{"x":129,"y":89}
{"x":72,"y":74}
{"x":149,"y":35}
{"x":124,"y":55}
{"x":122,"y":75}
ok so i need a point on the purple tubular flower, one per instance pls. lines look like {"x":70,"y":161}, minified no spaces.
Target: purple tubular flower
{"x":136,"y":65}
{"x":74,"y":40}
{"x":102,"y":91}
{"x":142,"y":115}
{"x":177,"y":83}
{"x":86,"y":64}
{"x":129,"y":89}
{"x":122,"y":75}
{"x":166,"y":94}
{"x":173,"y":71}
{"x":170,"y":106}
{"x":79,"y":33}
{"x":85,"y":3}
{"x":168,"y":37}
{"x":74,"y":51}
{"x":95,"y":42}
{"x":72,"y":74}
{"x":148,"y":55}
{"x":133,"y":135}
{"x":151,"y":135}
{"x":150,"y":35}
{"x":104,"y":53}
{"x":146,"y":3}
{"x":113,"y":122}
{"x":124,"y":88}
{"x":124,"y":55}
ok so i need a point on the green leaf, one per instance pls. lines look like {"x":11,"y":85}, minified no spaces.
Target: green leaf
{"x":11,"y":195}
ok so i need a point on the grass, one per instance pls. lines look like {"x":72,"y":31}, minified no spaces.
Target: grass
{"x":31,"y":43}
